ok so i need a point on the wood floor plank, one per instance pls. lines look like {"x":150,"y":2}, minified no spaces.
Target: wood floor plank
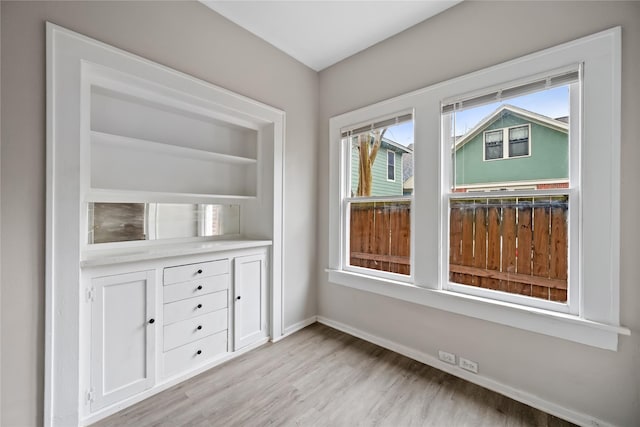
{"x":323,"y":377}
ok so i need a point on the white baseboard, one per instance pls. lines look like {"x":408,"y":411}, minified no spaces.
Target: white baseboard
{"x":498,"y":387}
{"x":297,"y":326}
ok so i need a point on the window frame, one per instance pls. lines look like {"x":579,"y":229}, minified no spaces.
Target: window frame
{"x":484,"y":139}
{"x":508,"y":151}
{"x":346,"y":199}
{"x":393,"y":156}
{"x":574,"y":229}
{"x":597,"y":324}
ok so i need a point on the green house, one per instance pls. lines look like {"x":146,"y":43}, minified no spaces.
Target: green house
{"x":513,"y":148}
{"x":386,"y":170}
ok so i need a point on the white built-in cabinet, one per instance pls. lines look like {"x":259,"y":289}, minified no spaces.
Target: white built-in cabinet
{"x":122,"y":336}
{"x":160,"y":321}
{"x":250,"y":286}
{"x":125,"y":320}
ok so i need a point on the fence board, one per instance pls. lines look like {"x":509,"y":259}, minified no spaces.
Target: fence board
{"x":480,"y":247}
{"x":455,"y":242}
{"x":540,"y":249}
{"x":524,"y":235}
{"x":493,"y":246}
{"x":558,"y":256}
{"x":404,"y":236}
{"x":508,"y":247}
{"x":467,"y":244}
{"x":357,"y":234}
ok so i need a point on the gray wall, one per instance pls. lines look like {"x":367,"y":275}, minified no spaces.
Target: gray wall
{"x":182,"y":35}
{"x":468,"y":37}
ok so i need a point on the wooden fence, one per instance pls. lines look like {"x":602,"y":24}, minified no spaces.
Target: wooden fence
{"x":515,"y":246}
{"x":381,"y":236}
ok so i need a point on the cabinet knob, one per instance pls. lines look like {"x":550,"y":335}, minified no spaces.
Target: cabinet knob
{"x":238,"y":297}
{"x":199,"y":352}
{"x":152,"y":321}
{"x":199,"y":306}
{"x":200,"y":271}
{"x":199,"y":287}
{"x":199,"y":327}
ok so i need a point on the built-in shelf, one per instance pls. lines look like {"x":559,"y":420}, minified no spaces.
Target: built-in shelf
{"x":168,"y":149}
{"x":131,"y":196}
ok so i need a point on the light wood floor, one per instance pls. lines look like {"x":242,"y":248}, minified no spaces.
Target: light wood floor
{"x":323,"y":377}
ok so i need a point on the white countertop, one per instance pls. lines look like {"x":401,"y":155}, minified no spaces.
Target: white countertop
{"x":98,"y":257}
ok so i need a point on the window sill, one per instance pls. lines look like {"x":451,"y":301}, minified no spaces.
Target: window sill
{"x":559,"y":325}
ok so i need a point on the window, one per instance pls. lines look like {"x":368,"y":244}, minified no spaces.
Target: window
{"x":519,"y":141}
{"x":518,"y":137}
{"x":529,"y":239}
{"x":513,"y":244}
{"x":391,"y":165}
{"x":377,"y":213}
{"x":493,"y":145}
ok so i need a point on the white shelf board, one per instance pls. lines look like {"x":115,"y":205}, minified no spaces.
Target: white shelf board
{"x":132,"y":196}
{"x":97,"y":257}
{"x":160,"y":147}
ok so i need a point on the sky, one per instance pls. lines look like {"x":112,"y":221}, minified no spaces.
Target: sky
{"x":552,"y":103}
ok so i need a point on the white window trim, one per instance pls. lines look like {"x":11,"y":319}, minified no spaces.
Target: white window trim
{"x":394,"y":165}
{"x":508,"y":135}
{"x":598,"y":321}
{"x":505,"y":146}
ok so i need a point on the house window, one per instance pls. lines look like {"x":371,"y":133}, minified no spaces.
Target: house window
{"x":377,"y":214}
{"x":533,"y":242}
{"x":519,"y":141}
{"x":518,"y":137}
{"x":391,"y":165}
{"x":493,"y":144}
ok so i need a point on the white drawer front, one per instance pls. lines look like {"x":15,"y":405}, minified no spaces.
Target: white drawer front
{"x":189,"y":356}
{"x":186,"y":331}
{"x":187,"y":272}
{"x":195,"y":288}
{"x":192,"y":307}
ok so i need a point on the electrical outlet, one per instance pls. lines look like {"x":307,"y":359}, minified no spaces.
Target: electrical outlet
{"x":447,"y":357}
{"x":468,"y":365}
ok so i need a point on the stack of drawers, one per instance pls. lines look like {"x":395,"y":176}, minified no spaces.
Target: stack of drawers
{"x":195,"y":314}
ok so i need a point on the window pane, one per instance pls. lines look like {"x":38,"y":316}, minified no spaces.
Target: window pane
{"x":493,"y":145}
{"x":513,"y":245}
{"x":537,"y":157}
{"x":376,"y":158}
{"x":391,"y":163}
{"x":380,"y":236}
{"x":519,"y":141}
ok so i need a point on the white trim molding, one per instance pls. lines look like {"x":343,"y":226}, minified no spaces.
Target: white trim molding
{"x":74,"y":64}
{"x":478,"y":379}
{"x":592,"y":313}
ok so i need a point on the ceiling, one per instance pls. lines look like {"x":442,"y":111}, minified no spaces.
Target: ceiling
{"x":321,"y":33}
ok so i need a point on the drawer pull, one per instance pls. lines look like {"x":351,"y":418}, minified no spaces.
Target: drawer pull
{"x":199,"y":288}
{"x":200,"y":271}
{"x":238,"y":297}
{"x":199,"y":306}
{"x":152,"y":321}
{"x":199,"y":352}
{"x":199,"y":327}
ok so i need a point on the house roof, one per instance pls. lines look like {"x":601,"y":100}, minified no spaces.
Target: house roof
{"x":392,"y":145}
{"x":408,"y":184}
{"x":559,"y":125}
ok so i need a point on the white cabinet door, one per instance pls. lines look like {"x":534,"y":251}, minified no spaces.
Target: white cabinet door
{"x":250,"y":288}
{"x":122,"y":336}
